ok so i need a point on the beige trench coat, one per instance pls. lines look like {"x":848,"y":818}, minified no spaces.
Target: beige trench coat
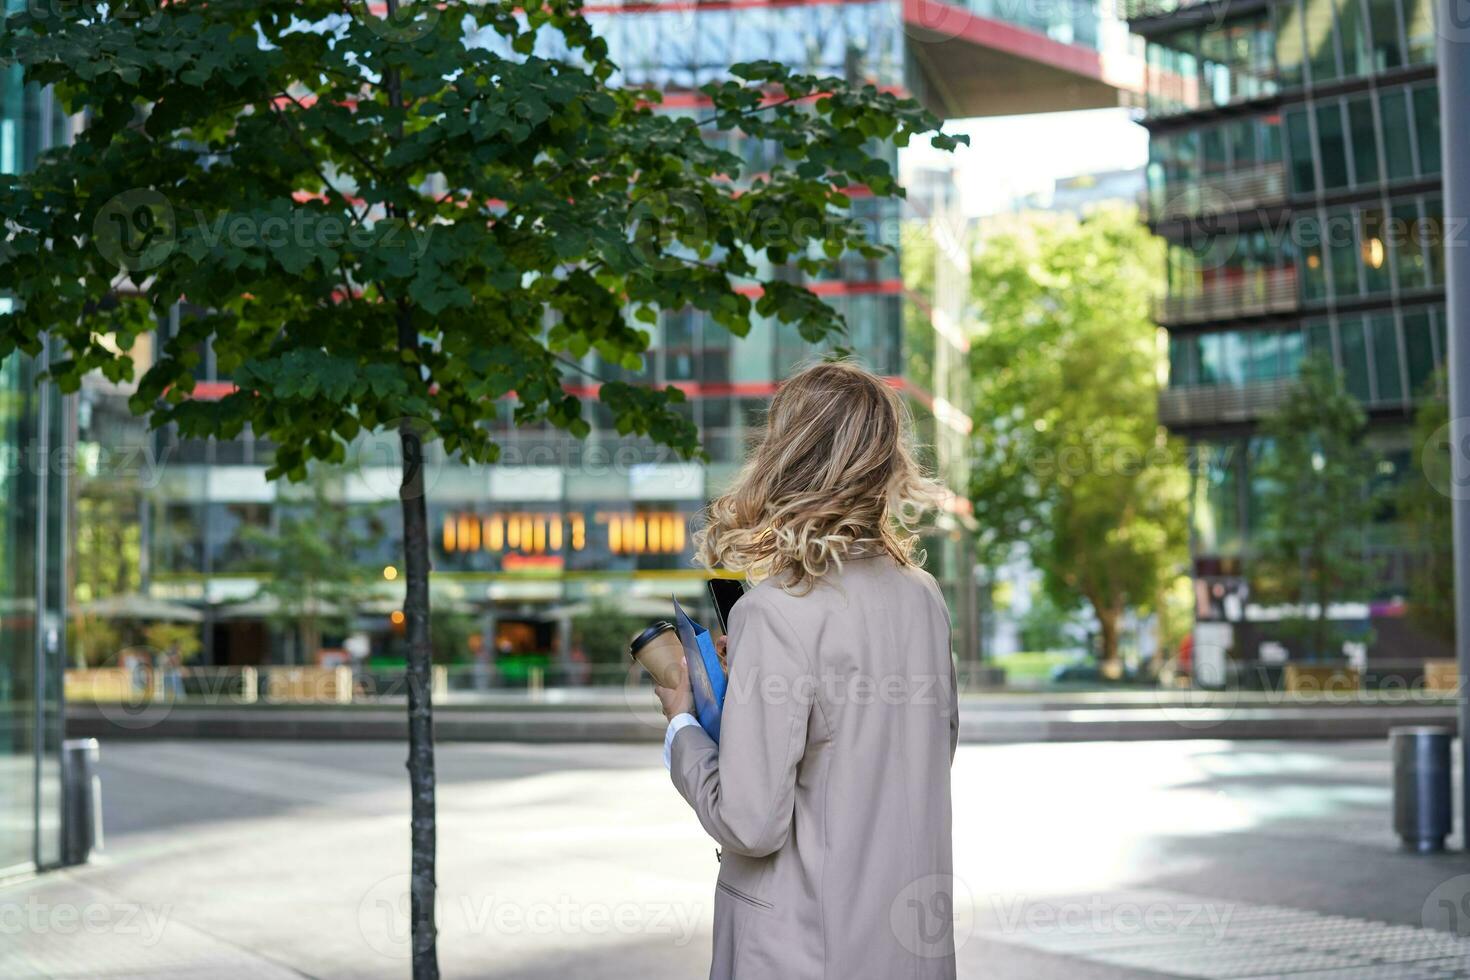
{"x":829,"y":792}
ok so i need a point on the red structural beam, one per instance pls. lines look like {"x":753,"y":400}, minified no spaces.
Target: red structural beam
{"x":947,"y":20}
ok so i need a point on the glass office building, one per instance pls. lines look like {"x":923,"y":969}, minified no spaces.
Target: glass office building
{"x":560,"y":524}
{"x":1294,"y":173}
{"x":32,"y":548}
{"x":32,"y":538}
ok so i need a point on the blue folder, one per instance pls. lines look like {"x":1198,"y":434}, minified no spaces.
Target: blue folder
{"x":706,"y":675}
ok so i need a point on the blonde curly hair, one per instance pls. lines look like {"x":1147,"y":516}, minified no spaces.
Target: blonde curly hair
{"x":834,"y":477}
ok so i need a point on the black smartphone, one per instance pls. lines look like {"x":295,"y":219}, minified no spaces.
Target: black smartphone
{"x":725,"y":592}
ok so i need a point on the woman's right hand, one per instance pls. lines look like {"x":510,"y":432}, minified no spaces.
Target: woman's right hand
{"x":720,"y":646}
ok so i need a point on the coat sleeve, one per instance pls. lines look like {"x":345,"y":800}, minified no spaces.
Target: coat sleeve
{"x":744,"y":789}
{"x":954,"y":711}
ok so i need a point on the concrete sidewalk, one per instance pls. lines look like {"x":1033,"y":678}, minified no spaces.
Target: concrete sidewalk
{"x":1089,"y":861}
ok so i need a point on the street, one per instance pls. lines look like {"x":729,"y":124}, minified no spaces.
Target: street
{"x":1095,"y":860}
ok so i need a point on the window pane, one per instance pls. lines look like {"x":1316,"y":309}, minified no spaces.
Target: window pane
{"x":1269,"y":139}
{"x":1354,"y":356}
{"x":1388,"y":50}
{"x":1356,"y":59}
{"x":1396,"y":145}
{"x":1334,"y":147}
{"x":1404,"y":234}
{"x":1289,"y":43}
{"x":1322,"y":37}
{"x":1419,"y":30}
{"x":1433,"y":236}
{"x":1291,"y":352}
{"x":1441,"y":331}
{"x":1265,"y":356}
{"x":1319,"y":339}
{"x":1365,"y":141}
{"x":1241,"y":134}
{"x":1212,"y":157}
{"x":1420,"y":349}
{"x":1210,"y":356}
{"x":1373,"y":250}
{"x":1182,"y":354}
{"x":1214,"y":56}
{"x":1299,"y":137}
{"x":1263,"y":62}
{"x":1307,"y":238}
{"x":1221,"y":358}
{"x":1426,"y":127}
{"x":1233,"y":353}
{"x":1386,"y":359}
{"x":1342,"y":249}
{"x":1217,"y":478}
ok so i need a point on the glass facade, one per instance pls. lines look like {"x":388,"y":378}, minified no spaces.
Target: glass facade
{"x":1295,"y":175}
{"x":32,"y":538}
{"x":561,"y":521}
{"x":1387,"y":357}
{"x":1283,"y":47}
{"x":32,"y":535}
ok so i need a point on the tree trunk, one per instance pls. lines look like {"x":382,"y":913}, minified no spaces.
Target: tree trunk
{"x":420,"y":703}
{"x":422,"y":886}
{"x":1108,"y":629}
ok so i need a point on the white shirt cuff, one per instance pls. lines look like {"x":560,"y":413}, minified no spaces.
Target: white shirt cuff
{"x":675,"y":723}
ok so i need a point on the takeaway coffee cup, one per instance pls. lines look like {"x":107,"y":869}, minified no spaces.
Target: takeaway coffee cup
{"x":659,"y":651}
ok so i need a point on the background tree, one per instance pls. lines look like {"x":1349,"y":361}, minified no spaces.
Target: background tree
{"x":604,"y":632}
{"x":1071,"y":467}
{"x":178,"y":638}
{"x":1046,"y":627}
{"x":1424,"y":509}
{"x":1316,"y":499}
{"x":399,"y":223}
{"x":310,"y":573}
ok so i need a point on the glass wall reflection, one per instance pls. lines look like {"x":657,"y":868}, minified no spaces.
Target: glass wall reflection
{"x":31,"y":534}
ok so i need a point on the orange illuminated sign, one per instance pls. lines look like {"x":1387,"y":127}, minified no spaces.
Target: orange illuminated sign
{"x":525,"y":532}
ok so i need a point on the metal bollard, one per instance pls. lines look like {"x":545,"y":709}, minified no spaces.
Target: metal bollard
{"x":82,"y":799}
{"x":1422,"y":800}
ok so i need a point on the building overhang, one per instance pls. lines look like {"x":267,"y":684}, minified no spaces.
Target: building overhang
{"x":981,"y":66}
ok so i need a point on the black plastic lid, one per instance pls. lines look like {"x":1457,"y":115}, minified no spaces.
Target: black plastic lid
{"x":646,"y":637}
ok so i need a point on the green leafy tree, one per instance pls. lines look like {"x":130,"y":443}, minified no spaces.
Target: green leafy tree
{"x":308,"y":563}
{"x":1071,"y":466}
{"x":604,"y":632}
{"x":1045,"y":627}
{"x":1316,"y":500}
{"x":1425,"y":511}
{"x":397,"y":224}
{"x":179,"y":638}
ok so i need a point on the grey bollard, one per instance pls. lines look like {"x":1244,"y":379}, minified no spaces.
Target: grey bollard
{"x":1422,"y":800}
{"x":81,"y":829}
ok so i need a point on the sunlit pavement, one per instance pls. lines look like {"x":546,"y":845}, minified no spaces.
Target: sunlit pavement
{"x":1095,"y":860}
